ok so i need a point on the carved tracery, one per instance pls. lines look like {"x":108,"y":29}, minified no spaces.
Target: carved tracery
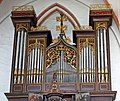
{"x":62,"y":59}
{"x":53,"y":55}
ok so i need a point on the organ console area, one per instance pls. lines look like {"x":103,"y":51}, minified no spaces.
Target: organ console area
{"x":43,"y":70}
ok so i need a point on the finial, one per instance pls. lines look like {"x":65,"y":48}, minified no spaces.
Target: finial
{"x":62,"y":27}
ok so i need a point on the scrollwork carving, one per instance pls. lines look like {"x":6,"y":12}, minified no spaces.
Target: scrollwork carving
{"x":34,"y":45}
{"x":100,"y":7}
{"x":38,"y":28}
{"x":21,"y":26}
{"x":22,"y":8}
{"x":87,"y":42}
{"x":53,"y":55}
{"x":99,"y":25}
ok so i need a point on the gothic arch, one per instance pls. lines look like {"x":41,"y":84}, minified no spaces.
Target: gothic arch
{"x":57,"y":8}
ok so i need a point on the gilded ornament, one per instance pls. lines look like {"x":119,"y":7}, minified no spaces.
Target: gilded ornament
{"x":86,"y":28}
{"x":38,"y":28}
{"x":87,"y":42}
{"x":22,"y":8}
{"x":68,"y":40}
{"x":99,"y":25}
{"x":53,"y":56}
{"x":62,"y":27}
{"x":37,"y":44}
{"x":55,"y":40}
{"x":21,"y":26}
{"x":100,"y":7}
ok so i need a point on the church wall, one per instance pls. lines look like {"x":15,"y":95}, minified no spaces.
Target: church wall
{"x":6,"y":48}
{"x":116,"y":7}
{"x":115,"y":59}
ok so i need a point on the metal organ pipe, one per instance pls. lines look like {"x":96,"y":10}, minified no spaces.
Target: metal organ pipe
{"x":16,"y":58}
{"x":20,"y":56}
{"x":98,"y":55}
{"x":24,"y":52}
{"x":87,"y":62}
{"x":94,"y":76}
{"x":28,"y":69}
{"x":31,"y":64}
{"x":88,"y":66}
{"x":61,"y":65}
{"x":104,"y":76}
{"x":102,"y":56}
{"x":33,"y":56}
{"x":35,"y":64}
{"x":81,"y":66}
{"x":105,"y":50}
{"x":41,"y":64}
{"x":59,"y":77}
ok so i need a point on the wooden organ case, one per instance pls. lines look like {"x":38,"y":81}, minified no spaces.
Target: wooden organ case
{"x":46,"y":71}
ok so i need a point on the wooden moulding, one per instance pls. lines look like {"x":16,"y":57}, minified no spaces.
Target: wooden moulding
{"x":41,"y":34}
{"x":17,"y":96}
{"x":103,"y":95}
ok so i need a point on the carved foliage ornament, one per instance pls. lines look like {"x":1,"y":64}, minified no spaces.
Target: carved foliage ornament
{"x":53,"y":55}
{"x":86,"y":28}
{"x":37,"y":44}
{"x":61,"y":19}
{"x":21,"y":26}
{"x":87,"y":42}
{"x":38,"y":28}
{"x":99,"y":25}
{"x":67,"y":40}
{"x":22,"y":8}
{"x":100,"y":7}
{"x":83,"y":28}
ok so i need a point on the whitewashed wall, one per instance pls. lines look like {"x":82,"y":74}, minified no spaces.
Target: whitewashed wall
{"x":115,"y":58}
{"x":116,"y":7}
{"x":81,"y":12}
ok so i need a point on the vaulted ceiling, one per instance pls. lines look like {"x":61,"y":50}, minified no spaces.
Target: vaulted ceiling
{"x":6,"y":6}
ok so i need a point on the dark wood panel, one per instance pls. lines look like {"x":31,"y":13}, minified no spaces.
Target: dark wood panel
{"x":18,"y":88}
{"x":104,"y":86}
{"x":34,"y":88}
{"x":87,"y":87}
{"x":68,"y":87}
{"x":101,"y":99}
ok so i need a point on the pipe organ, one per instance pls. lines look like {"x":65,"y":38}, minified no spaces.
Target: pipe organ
{"x":43,"y":70}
